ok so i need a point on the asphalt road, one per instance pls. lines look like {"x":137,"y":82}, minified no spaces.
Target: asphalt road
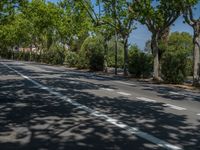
{"x":46,"y":107}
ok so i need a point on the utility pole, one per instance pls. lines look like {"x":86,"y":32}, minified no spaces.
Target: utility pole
{"x":116,"y":37}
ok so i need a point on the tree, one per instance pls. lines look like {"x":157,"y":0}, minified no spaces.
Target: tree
{"x":76,"y":24}
{"x":9,"y":8}
{"x":103,"y":22}
{"x":158,"y":16}
{"x":180,"y":42}
{"x":9,"y":24}
{"x":195,"y":24}
{"x":116,"y":16}
{"x":147,"y":47}
{"x":44,"y":19}
{"x":118,"y":12}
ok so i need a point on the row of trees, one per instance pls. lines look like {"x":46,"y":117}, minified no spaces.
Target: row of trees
{"x":69,"y":24}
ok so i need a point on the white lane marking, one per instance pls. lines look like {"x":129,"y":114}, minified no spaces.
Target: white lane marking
{"x":146,"y":99}
{"x":123,"y":82}
{"x":115,"y":122}
{"x":107,"y":89}
{"x":198,"y":114}
{"x":74,"y":82}
{"x":174,"y":107}
{"x":176,"y":93}
{"x":124,"y":93}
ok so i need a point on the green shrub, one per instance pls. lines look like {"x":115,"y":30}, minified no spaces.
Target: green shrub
{"x":71,"y":58}
{"x":4,"y":53}
{"x":91,"y":55}
{"x":96,"y":61}
{"x":140,"y":64}
{"x":55,"y":55}
{"x":83,"y":60}
{"x":189,"y":67}
{"x":174,"y":67}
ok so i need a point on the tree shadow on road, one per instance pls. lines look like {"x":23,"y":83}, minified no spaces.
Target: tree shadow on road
{"x":172,"y":93}
{"x":31,"y":118}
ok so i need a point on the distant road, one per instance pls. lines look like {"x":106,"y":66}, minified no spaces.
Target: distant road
{"x":45,"y":107}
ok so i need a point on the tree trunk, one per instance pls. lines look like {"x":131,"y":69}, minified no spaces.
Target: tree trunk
{"x":155,"y":51}
{"x":116,"y":52}
{"x":105,"y":55}
{"x":196,"y":55}
{"x":125,"y":56}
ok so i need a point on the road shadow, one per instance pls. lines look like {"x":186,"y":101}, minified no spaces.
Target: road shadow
{"x":171,"y":92}
{"x":32,"y":118}
{"x":149,"y":117}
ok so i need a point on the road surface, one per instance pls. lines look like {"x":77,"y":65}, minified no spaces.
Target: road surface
{"x":45,"y":107}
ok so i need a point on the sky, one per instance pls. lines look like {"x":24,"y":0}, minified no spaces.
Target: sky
{"x":141,"y":34}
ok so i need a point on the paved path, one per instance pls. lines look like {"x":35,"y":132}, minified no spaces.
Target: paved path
{"x":48,"y":107}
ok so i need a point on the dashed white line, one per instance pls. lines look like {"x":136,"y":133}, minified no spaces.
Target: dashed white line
{"x":174,"y":107}
{"x":198,"y":114}
{"x":74,"y":82}
{"x":176,"y":93}
{"x":107,"y":89}
{"x":146,"y":99}
{"x":124,"y":93}
{"x":124,"y":83}
{"x":115,"y":122}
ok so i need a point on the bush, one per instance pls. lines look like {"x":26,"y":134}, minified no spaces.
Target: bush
{"x":189,"y":67}
{"x":140,"y":64}
{"x":21,"y":55}
{"x":4,"y":53}
{"x":91,"y":55}
{"x":96,"y":61}
{"x":174,"y":67}
{"x":35,"y":57}
{"x":55,"y":55}
{"x":71,"y":58}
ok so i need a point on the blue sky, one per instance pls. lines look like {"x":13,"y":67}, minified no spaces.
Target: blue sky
{"x":141,"y":34}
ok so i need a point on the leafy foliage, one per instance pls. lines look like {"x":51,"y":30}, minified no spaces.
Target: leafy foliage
{"x":174,"y":67}
{"x":91,"y":54}
{"x":55,"y":55}
{"x":158,"y":16}
{"x":111,"y":54}
{"x":140,"y":63}
{"x":182,"y":43}
{"x":71,"y":58}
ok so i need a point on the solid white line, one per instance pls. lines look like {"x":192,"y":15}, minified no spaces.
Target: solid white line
{"x":124,"y":93}
{"x":115,"y":122}
{"x":107,"y":89}
{"x":146,"y":99}
{"x":174,"y":107}
{"x":123,"y":82}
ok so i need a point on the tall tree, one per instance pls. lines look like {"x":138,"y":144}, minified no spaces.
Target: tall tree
{"x":76,"y":24}
{"x":118,"y":11}
{"x":103,"y":25}
{"x":44,"y":19}
{"x":189,"y":15}
{"x":158,"y":16}
{"x":8,"y":9}
{"x":180,"y":42}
